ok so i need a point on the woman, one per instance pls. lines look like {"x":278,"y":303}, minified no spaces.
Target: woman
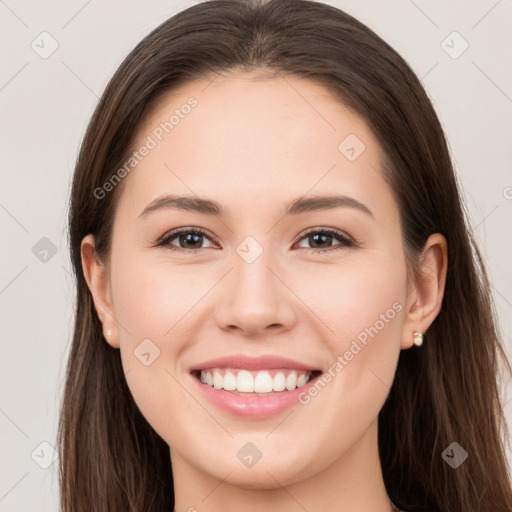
{"x":277,"y":292}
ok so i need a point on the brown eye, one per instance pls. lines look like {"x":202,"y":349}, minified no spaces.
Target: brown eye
{"x":187,"y":239}
{"x":320,"y":240}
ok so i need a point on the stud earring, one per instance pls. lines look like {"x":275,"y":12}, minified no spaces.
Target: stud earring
{"x":418,"y":338}
{"x":108,"y":333}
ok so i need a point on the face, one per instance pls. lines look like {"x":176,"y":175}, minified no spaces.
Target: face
{"x":322,"y":285}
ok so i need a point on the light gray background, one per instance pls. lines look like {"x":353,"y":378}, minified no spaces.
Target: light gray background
{"x":46,"y":104}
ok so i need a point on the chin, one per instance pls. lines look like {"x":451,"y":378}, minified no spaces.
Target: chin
{"x":270,"y":474}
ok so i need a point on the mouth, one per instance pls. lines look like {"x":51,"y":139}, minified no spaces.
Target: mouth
{"x":245,"y":382}
{"x":254,"y":387}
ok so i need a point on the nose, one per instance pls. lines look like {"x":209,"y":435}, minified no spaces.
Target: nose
{"x":255,"y":298}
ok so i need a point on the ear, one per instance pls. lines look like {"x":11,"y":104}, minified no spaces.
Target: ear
{"x":426,"y":292}
{"x":98,"y":281}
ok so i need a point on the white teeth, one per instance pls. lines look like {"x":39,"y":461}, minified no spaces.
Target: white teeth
{"x":260,"y":382}
{"x":244,"y":382}
{"x":279,"y":382}
{"x":217,"y":380}
{"x":291,"y":381}
{"x":301,"y":380}
{"x":263,"y":383}
{"x":229,"y":382}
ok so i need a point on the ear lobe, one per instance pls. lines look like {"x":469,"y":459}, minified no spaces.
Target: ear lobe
{"x":98,"y":283}
{"x":425,"y":298}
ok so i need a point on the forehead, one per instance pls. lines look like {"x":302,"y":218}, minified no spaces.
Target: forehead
{"x":246,"y":109}
{"x":246,"y":139}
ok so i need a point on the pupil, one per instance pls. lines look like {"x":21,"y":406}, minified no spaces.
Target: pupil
{"x":191,"y":238}
{"x":323,"y":238}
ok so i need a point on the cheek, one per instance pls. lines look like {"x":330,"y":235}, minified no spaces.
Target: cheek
{"x":352,"y":295}
{"x":151,"y":303}
{"x":151,"y":298}
{"x":362,"y":306}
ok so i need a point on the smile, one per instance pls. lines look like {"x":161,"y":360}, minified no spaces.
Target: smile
{"x":253,"y":382}
{"x":253,"y":387}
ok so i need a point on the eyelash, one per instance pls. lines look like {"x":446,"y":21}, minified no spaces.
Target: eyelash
{"x":345,"y":241}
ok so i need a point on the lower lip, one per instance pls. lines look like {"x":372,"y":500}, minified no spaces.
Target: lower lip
{"x":255,"y":407}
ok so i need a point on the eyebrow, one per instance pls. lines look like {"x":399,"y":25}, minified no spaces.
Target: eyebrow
{"x":294,"y":207}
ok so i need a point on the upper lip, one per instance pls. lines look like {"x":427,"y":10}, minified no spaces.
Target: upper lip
{"x":241,"y":361}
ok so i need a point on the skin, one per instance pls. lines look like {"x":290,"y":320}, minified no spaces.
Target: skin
{"x":254,"y":145}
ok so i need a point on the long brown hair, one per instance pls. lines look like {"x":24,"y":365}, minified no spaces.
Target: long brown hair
{"x":446,"y":391}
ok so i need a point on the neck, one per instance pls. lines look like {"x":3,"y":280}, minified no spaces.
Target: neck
{"x":351,"y":483}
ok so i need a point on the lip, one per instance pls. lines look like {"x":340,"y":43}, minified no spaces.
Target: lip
{"x":253,"y":407}
{"x":265,"y":362}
